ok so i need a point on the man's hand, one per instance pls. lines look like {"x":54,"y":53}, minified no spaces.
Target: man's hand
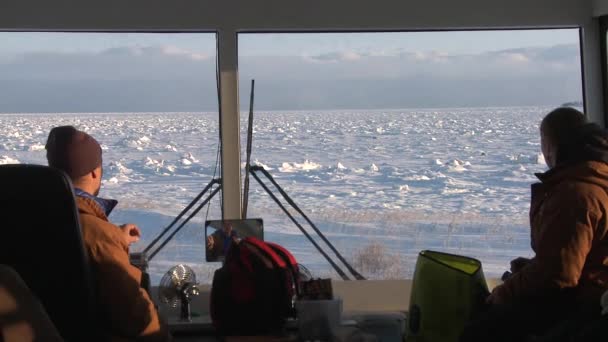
{"x":210,"y":242}
{"x":495,"y":298}
{"x":518,"y":264}
{"x":131,"y":233}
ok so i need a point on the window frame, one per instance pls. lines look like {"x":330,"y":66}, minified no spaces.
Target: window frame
{"x":604,"y":64}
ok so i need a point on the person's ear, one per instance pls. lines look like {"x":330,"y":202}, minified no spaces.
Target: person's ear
{"x":95,"y":174}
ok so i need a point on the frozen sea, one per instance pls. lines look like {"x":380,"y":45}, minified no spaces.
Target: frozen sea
{"x":381,"y":184}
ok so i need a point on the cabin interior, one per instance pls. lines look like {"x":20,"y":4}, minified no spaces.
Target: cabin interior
{"x":377,"y":303}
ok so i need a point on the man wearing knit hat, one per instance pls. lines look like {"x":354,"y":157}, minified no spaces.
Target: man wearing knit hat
{"x":127,"y":308}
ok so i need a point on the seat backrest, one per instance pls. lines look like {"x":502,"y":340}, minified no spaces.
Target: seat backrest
{"x":604,"y":302}
{"x":40,"y":238}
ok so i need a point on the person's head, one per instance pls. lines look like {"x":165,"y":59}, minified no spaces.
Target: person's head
{"x":78,"y":155}
{"x":556,"y":132}
{"x":227,"y":226}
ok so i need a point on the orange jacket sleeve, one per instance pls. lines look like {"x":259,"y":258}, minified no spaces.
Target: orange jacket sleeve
{"x":130,"y":309}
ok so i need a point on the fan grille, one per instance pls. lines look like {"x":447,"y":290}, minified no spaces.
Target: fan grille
{"x":173,"y":282}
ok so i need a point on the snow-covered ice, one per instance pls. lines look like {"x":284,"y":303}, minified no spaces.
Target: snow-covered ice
{"x":455,"y":180}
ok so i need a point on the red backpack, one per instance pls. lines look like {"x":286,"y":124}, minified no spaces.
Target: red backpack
{"x":254,"y":291}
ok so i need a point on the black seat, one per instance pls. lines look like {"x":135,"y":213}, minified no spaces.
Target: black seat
{"x":40,"y":238}
{"x":19,"y":305}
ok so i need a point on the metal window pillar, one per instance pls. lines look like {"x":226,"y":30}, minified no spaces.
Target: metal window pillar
{"x":592,"y":76}
{"x":603,"y":37}
{"x":230,"y":123}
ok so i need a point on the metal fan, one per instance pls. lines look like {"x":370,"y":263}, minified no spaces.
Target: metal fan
{"x":179,"y":285}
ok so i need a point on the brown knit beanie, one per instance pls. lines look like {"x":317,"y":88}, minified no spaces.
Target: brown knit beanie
{"x":73,"y":151}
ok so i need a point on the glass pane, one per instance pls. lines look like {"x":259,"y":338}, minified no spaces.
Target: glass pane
{"x":149,"y":99}
{"x":398,"y":142}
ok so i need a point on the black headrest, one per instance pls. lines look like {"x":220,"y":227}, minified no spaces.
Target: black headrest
{"x":40,"y":238}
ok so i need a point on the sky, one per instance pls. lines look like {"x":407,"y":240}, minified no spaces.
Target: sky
{"x":150,"y":72}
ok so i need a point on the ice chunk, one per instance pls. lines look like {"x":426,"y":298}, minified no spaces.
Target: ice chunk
{"x":154,"y":162}
{"x":118,"y":167}
{"x":190,"y":157}
{"x":448,"y":191}
{"x":306,"y":166}
{"x":457,"y":167}
{"x":286,"y":167}
{"x":36,"y":147}
{"x":540,"y":159}
{"x":417,"y":178}
{"x":259,"y":163}
{"x":4,"y":160}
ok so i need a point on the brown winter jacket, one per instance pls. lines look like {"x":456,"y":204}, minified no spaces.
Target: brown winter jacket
{"x":126,"y":308}
{"x":569,"y":227}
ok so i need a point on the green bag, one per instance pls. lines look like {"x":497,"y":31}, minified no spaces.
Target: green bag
{"x":447,"y":291}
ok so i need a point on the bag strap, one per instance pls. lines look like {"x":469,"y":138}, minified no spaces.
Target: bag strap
{"x":283,"y":252}
{"x":292,"y":264}
{"x":263,"y":246}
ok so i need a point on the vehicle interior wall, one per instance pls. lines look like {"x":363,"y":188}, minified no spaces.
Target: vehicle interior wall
{"x":276,"y":14}
{"x":600,"y":7}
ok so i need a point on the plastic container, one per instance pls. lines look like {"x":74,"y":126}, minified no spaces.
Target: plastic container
{"x":317,"y":319}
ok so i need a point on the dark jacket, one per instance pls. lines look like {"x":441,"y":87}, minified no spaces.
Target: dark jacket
{"x":569,"y":227}
{"x":129,"y":312}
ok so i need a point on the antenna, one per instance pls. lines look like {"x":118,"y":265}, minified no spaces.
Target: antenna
{"x":251,"y":170}
{"x":249,"y":141}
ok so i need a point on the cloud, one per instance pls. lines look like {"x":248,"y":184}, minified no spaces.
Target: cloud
{"x":335,"y":57}
{"x":164,"y":50}
{"x":166,"y":62}
{"x":516,"y":58}
{"x":526,"y":76}
{"x":563,"y":54}
{"x":130,"y":78}
{"x":427,"y":56}
{"x":122,"y":51}
{"x":167,"y":76}
{"x":391,"y":63}
{"x":171,"y":50}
